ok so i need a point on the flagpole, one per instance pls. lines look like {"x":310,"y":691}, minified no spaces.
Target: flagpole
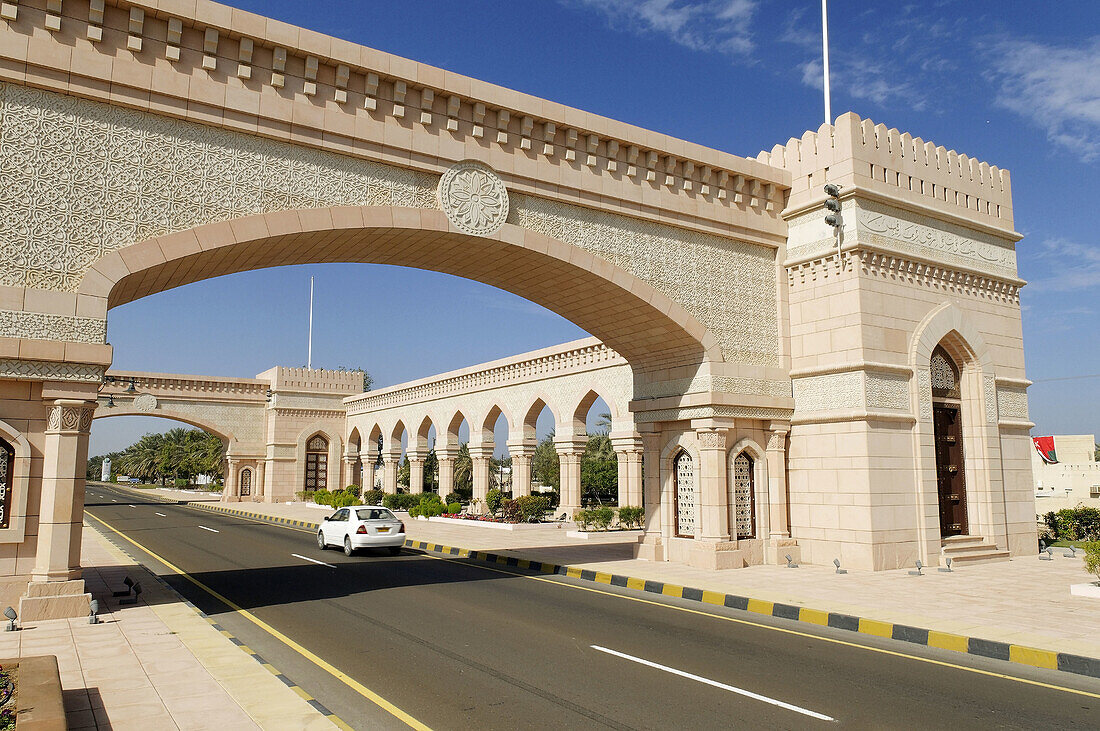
{"x":825,"y":58}
{"x":309,"y":359}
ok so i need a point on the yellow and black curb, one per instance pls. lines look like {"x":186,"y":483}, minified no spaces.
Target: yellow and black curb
{"x":1035,"y":657}
{"x":298,"y":690}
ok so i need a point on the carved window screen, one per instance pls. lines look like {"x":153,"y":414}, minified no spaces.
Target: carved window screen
{"x":316,"y":464}
{"x":744,"y":497}
{"x":945,"y":375}
{"x":7,"y":477}
{"x":687,"y":506}
{"x":246,"y":482}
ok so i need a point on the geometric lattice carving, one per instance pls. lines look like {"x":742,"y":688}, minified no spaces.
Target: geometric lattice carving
{"x":990,"y":389}
{"x":39,"y":326}
{"x":1012,"y":404}
{"x":50,"y":371}
{"x":687,"y":506}
{"x":887,"y":391}
{"x":945,"y":375}
{"x":317,"y":444}
{"x":7,"y":473}
{"x":743,"y":497}
{"x":828,"y":392}
{"x":246,"y":482}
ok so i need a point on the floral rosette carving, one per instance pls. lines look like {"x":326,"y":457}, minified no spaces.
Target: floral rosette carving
{"x":474,"y":198}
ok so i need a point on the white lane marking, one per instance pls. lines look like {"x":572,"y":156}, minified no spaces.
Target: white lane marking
{"x":716,"y":684}
{"x":161,"y":515}
{"x":131,"y":506}
{"x":312,"y":560}
{"x":113,"y":500}
{"x":209,"y":529}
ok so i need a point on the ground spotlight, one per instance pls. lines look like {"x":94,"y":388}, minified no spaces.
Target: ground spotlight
{"x":11,"y":614}
{"x":948,"y":569}
{"x":93,"y":610}
{"x":836,"y":562}
{"x":790,"y":562}
{"x":918,"y":572}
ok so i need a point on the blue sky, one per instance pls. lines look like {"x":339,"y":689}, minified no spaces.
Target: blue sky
{"x":1016,"y":84}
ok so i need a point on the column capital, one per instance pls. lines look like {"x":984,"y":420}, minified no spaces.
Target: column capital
{"x":627,"y":443}
{"x":712,"y":438}
{"x":444,"y":453}
{"x":777,"y":441}
{"x":481,"y":451}
{"x":416,"y":455}
{"x":779,"y":427}
{"x":70,"y":415}
{"x":570,"y":445}
{"x":521,"y":447}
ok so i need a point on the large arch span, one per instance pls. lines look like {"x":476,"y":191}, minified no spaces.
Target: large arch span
{"x":648,"y":328}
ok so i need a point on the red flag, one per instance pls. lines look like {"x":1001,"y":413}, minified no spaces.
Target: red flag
{"x":1045,"y":447}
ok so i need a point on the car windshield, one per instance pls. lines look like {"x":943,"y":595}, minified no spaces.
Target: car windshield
{"x":374,"y":514}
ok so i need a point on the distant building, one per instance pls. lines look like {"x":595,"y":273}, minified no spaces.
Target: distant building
{"x":1066,"y":472}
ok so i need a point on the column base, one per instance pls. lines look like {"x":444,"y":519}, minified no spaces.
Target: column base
{"x":701,"y":554}
{"x":776,"y":551}
{"x":650,"y":548}
{"x":54,"y":600}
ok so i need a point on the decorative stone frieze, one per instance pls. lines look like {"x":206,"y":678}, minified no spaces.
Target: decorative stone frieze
{"x":712,"y":438}
{"x":851,"y":390}
{"x":1012,"y":404}
{"x":989,"y":386}
{"x":146,"y":402}
{"x":711,"y":412}
{"x":38,"y":370}
{"x":924,"y":393}
{"x":40,"y":326}
{"x":704,"y":383}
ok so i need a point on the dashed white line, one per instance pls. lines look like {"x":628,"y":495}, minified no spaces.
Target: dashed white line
{"x":716,"y":684}
{"x":209,"y":529}
{"x":161,"y":515}
{"x":312,"y":560}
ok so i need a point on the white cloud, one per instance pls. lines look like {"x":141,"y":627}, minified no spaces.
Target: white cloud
{"x":708,"y":25}
{"x":1056,"y":87}
{"x":1065,"y":266}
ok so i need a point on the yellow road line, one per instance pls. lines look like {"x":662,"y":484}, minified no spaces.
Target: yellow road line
{"x":784,"y":630}
{"x":322,"y":664}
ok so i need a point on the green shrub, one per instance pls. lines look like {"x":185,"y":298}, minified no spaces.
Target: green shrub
{"x":454,"y":508}
{"x":602,"y":517}
{"x":414,"y":511}
{"x":431,"y":508}
{"x":401,"y":501}
{"x":493,"y":500}
{"x":1075,"y":524}
{"x":532,"y":507}
{"x":430,"y":497}
{"x":583,"y":518}
{"x":373,"y":497}
{"x":301,"y":496}
{"x":453,"y":497}
{"x":180,"y":482}
{"x":1092,"y":558}
{"x":509,"y":510}
{"x":353,"y":489}
{"x":322,"y":497}
{"x":631,"y":516}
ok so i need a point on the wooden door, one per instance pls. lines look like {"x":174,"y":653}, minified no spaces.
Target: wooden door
{"x":949,"y":470}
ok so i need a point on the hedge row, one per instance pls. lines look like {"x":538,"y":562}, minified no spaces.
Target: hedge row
{"x":1074,"y":524}
{"x":602,"y":518}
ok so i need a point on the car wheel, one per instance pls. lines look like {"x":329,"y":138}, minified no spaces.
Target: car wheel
{"x":395,"y":550}
{"x":348,"y":550}
{"x":321,"y":541}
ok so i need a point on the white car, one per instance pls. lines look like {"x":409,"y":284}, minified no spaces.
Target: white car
{"x":362,"y":526}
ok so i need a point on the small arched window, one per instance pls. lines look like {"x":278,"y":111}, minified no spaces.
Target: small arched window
{"x":687,"y":504}
{"x":316,"y":464}
{"x":744,"y":495}
{"x":246,"y":482}
{"x":7,"y":478}
{"x":945,"y":375}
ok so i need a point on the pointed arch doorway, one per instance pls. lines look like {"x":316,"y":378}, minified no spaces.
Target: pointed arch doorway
{"x":947,"y":426}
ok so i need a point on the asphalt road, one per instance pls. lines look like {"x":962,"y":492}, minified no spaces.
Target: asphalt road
{"x":458,"y":644}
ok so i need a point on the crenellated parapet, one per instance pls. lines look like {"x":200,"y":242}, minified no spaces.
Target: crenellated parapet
{"x":897,"y":168}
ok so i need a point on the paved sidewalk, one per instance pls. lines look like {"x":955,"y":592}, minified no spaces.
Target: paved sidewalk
{"x":1024,"y":601}
{"x":154,"y":665}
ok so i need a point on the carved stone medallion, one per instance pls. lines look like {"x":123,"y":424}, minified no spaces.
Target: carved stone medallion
{"x":474,"y":198}
{"x":145,"y":402}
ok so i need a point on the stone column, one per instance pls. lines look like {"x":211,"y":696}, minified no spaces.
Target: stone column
{"x":232,"y":478}
{"x":628,"y":450}
{"x":570,"y":452}
{"x":446,"y":457}
{"x":260,"y":486}
{"x":651,"y":545}
{"x":352,"y":462}
{"x":389,"y":474}
{"x":416,"y":471}
{"x":713,"y":489}
{"x":368,"y":473}
{"x":65,"y":457}
{"x":777,"y":480}
{"x":480,"y":454}
{"x":521,"y":452}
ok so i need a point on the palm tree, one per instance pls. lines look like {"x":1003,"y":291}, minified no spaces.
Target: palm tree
{"x":603,"y":424}
{"x":464,"y":469}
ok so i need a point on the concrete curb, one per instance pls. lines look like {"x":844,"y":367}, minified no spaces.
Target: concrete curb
{"x":1035,"y":657}
{"x":298,"y":690}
